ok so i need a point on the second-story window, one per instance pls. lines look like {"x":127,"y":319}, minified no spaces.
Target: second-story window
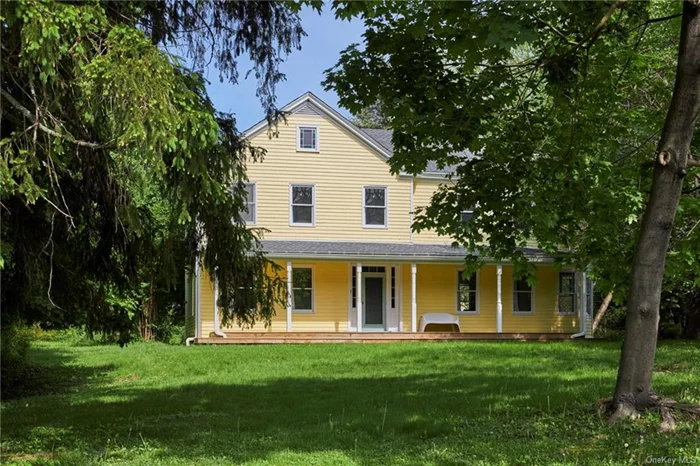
{"x":307,"y":138}
{"x":302,"y":205}
{"x":374,"y":205}
{"x":249,"y":215}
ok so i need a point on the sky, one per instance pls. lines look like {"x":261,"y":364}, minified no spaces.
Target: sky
{"x":320,"y":50}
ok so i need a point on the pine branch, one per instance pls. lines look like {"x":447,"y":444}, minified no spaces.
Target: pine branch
{"x":29,"y":116}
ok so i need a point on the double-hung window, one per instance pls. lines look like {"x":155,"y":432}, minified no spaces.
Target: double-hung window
{"x":467,"y":293}
{"x":374,"y":207}
{"x":307,"y":138}
{"x":302,"y":289}
{"x":249,"y":215}
{"x":302,"y":200}
{"x":567,"y":293}
{"x":523,"y":297}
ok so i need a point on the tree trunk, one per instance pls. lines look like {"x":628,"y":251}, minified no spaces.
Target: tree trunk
{"x":148,"y":314}
{"x":634,"y":391}
{"x":601,"y":311}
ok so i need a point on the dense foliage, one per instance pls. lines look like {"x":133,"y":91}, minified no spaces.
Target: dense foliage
{"x":581,"y":117}
{"x":372,"y":116}
{"x":564,"y":120}
{"x":117,"y":171}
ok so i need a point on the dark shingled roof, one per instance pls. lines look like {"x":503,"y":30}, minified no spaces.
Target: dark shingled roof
{"x":383,"y":138}
{"x":360,"y":250}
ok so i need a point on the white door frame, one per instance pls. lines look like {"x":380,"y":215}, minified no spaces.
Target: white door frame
{"x":396,"y":320}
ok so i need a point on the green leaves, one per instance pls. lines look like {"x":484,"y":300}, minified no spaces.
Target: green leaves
{"x":560,"y":123}
{"x":115,"y":165}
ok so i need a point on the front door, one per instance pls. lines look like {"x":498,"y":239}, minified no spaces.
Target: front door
{"x":373,"y":301}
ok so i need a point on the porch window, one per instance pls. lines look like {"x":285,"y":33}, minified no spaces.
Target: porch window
{"x":374,"y":201}
{"x":354,"y":287}
{"x":567,"y":293}
{"x":302,"y":289}
{"x":393,"y":287}
{"x":466,"y":293}
{"x":523,"y":296}
{"x":250,"y":203}
{"x":302,"y":205}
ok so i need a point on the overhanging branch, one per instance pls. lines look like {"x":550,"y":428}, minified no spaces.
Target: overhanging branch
{"x":29,"y":116}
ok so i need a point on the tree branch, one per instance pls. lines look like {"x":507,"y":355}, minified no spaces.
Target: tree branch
{"x":28,"y":115}
{"x":559,"y":33}
{"x":693,"y":163}
{"x":596,"y":32}
{"x":659,"y":20}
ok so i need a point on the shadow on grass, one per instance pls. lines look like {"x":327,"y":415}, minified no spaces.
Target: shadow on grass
{"x":366,"y":420}
{"x":511,"y":410}
{"x":49,"y":373}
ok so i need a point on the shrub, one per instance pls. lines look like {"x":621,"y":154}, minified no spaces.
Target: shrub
{"x":15,"y":340}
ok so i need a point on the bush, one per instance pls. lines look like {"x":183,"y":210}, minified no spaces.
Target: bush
{"x":14,"y":345}
{"x":15,"y":340}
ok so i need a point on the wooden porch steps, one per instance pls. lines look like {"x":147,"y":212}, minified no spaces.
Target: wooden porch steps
{"x":251,"y":338}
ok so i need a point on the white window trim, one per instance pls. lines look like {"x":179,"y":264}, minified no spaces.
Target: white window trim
{"x":255,"y":203}
{"x":313,"y":205}
{"x":478,"y":296}
{"x":512,"y":304}
{"x":313,"y":289}
{"x":318,"y":138}
{"x":575,"y":311}
{"x":386,"y":208}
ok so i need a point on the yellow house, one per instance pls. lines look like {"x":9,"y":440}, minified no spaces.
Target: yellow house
{"x":340,"y":226}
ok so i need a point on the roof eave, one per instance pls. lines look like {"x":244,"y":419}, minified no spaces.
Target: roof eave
{"x":389,"y":258}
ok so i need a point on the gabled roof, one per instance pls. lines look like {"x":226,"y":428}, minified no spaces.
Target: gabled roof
{"x":309,"y":97}
{"x":378,"y":140}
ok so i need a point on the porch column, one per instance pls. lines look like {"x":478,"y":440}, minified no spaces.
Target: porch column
{"x":413,"y":298}
{"x":499,"y":300}
{"x":289,"y":296}
{"x":582,"y":314}
{"x":358,"y":297}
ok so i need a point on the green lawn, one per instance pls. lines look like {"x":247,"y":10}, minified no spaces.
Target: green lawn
{"x":409,"y":403}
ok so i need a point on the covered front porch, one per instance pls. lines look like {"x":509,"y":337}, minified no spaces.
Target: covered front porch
{"x":384,"y":292}
{"x":252,"y":338}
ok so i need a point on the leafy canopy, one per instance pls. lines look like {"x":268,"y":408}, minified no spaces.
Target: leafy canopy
{"x":115,"y":165}
{"x":562,"y":103}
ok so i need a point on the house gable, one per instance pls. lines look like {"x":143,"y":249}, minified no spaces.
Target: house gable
{"x":345,"y":163}
{"x":309,"y":104}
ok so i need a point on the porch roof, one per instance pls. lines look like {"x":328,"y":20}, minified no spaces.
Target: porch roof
{"x":302,"y":249}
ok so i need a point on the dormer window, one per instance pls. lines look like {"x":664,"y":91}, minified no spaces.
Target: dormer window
{"x":307,"y":138}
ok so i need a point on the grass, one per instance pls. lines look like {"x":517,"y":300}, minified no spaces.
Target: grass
{"x":410,"y":403}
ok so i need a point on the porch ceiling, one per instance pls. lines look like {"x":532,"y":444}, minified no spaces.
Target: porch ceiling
{"x":299,"y":249}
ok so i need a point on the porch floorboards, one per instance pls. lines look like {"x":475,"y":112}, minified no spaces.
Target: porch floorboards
{"x":248,"y":338}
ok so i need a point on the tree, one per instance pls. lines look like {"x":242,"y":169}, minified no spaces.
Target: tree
{"x":115,"y":165}
{"x":563,"y":103}
{"x":372,"y":116}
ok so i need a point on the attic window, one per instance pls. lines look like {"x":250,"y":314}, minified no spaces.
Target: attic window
{"x":307,"y":138}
